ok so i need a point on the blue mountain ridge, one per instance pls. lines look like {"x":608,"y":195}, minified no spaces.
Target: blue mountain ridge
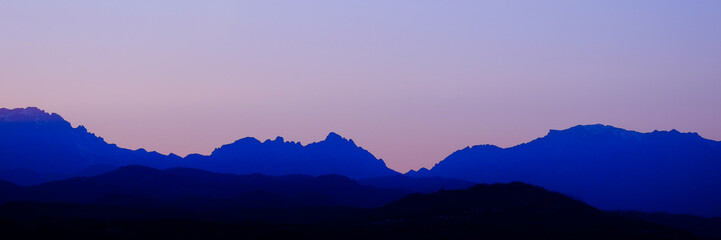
{"x":605,"y":166}
{"x":38,"y":147}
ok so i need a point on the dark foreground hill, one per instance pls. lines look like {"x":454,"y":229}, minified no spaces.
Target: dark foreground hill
{"x":183,"y":188}
{"x":514,"y":211}
{"x":37,"y":147}
{"x":607,"y":167}
{"x":500,"y":211}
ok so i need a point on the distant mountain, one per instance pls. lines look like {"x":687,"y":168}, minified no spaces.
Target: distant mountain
{"x":183,"y":188}
{"x":416,"y":184}
{"x":334,"y":155}
{"x":607,"y":167}
{"x":37,"y":147}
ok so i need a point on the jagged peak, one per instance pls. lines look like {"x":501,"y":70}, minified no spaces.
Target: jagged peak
{"x":277,"y":139}
{"x":419,"y":172}
{"x":674,"y":132}
{"x":601,"y":129}
{"x":28,"y":114}
{"x":336,"y":138}
{"x":332,"y":136}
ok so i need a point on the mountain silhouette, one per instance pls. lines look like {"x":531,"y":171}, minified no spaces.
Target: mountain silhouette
{"x":38,"y":147}
{"x":499,"y":211}
{"x":512,"y":211}
{"x":334,"y":155}
{"x":139,"y":186}
{"x":607,"y":167}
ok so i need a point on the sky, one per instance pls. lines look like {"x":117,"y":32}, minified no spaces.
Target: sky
{"x":410,"y":81}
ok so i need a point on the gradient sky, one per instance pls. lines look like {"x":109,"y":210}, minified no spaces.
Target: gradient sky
{"x":411,"y":81}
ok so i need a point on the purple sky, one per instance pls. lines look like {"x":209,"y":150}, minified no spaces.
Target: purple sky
{"x":411,"y":81}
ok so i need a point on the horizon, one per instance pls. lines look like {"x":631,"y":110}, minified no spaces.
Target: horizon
{"x":350,"y":138}
{"x":410,"y":81}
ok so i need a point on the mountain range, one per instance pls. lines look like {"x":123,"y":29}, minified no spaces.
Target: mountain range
{"x":140,"y":202}
{"x":607,"y":167}
{"x":37,"y":147}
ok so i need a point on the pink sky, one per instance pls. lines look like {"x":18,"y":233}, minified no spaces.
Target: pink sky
{"x":411,"y":81}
